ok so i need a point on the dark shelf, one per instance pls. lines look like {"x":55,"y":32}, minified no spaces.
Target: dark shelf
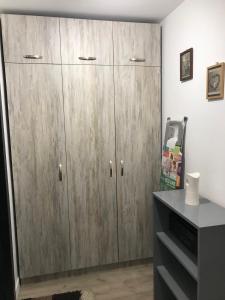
{"x":172,"y":284}
{"x":189,"y":248}
{"x":179,"y":253}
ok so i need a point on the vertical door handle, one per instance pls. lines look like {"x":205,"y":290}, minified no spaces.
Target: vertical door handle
{"x":110,"y":168}
{"x":122,"y":167}
{"x":60,"y":172}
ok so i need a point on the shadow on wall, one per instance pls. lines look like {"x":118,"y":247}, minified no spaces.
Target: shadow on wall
{"x":6,"y":269}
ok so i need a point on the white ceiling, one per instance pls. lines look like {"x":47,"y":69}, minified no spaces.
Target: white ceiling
{"x":143,"y":10}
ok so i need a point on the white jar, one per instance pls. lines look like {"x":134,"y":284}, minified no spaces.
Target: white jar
{"x":192,"y":188}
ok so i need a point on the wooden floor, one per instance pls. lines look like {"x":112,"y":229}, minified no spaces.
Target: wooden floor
{"x":124,"y":283}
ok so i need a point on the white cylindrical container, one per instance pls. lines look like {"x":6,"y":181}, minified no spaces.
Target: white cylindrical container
{"x":192,"y":188}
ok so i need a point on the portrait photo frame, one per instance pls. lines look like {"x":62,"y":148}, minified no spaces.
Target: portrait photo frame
{"x":215,"y":82}
{"x":186,"y":65}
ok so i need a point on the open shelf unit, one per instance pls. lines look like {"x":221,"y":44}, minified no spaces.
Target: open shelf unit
{"x":189,"y":247}
{"x":178,"y":253}
{"x":172,"y":284}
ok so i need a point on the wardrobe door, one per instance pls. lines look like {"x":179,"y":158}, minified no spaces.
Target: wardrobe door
{"x":86,"y":42}
{"x":137,"y":101}
{"x":90,"y":139}
{"x":136,"y":44}
{"x":36,"y":124}
{"x":28,"y":39}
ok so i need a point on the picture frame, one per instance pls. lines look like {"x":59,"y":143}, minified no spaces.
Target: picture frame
{"x":186,"y":65}
{"x":215,"y":82}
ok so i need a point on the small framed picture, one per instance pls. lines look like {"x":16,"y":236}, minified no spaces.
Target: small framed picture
{"x":215,"y":82}
{"x":186,"y":65}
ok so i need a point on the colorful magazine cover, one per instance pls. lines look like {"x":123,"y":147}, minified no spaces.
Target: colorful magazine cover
{"x":171,"y":168}
{"x":172,"y":171}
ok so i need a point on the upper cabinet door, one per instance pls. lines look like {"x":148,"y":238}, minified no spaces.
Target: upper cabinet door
{"x":86,"y":42}
{"x":29,"y":39}
{"x":136,"y":44}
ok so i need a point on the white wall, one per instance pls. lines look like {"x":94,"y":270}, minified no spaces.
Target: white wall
{"x":199,"y":24}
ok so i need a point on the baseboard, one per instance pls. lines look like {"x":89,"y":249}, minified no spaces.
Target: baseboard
{"x":86,"y":270}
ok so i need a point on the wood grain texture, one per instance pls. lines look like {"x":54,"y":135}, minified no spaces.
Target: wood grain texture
{"x":36,"y":122}
{"x":140,"y":40}
{"x":90,"y":137}
{"x":138,"y":133}
{"x":86,"y":38}
{"x":126,"y":283}
{"x":25,"y":35}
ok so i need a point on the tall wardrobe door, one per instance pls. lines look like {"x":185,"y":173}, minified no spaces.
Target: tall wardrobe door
{"x":90,"y":138}
{"x":137,"y":96}
{"x":36,"y":122}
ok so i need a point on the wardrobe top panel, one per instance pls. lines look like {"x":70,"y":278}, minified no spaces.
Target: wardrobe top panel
{"x":137,"y":44}
{"x":31,"y":39}
{"x":86,"y":41}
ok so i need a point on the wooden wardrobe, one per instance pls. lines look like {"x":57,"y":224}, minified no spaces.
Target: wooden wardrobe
{"x":84,"y":112}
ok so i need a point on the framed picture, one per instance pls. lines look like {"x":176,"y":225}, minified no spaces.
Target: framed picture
{"x":186,"y":65}
{"x":215,"y":82}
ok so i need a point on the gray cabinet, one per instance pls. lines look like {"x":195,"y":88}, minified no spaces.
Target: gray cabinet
{"x":91,"y":167}
{"x":136,"y":44}
{"x":28,"y":39}
{"x":36,"y":122}
{"x":86,"y":42}
{"x":137,"y":103}
{"x":189,"y":248}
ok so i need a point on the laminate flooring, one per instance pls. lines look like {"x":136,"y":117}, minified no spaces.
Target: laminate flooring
{"x":122,"y":283}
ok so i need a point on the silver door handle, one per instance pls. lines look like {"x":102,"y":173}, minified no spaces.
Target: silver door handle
{"x":110,"y":168}
{"x":87,"y":58}
{"x":135,"y":59}
{"x":122,"y":167}
{"x":31,"y":56}
{"x":60,"y":172}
